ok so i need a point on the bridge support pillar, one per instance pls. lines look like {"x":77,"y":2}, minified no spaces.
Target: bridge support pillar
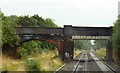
{"x":68,"y":50}
{"x":68,"y":43}
{"x":109,"y":51}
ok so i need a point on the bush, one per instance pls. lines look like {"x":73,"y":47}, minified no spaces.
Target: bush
{"x":21,"y":52}
{"x":4,"y":69}
{"x":32,"y":66}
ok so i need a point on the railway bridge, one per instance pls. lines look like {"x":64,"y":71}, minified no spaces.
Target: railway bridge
{"x":63,"y":37}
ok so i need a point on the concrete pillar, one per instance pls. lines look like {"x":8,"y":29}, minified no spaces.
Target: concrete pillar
{"x":68,"y":48}
{"x":109,"y":51}
{"x":68,"y":43}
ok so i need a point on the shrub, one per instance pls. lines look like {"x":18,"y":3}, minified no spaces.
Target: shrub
{"x":4,"y":69}
{"x":21,"y":52}
{"x":32,"y":66}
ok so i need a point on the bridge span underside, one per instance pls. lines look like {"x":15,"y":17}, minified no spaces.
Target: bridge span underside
{"x":66,"y":35}
{"x":56,"y":40}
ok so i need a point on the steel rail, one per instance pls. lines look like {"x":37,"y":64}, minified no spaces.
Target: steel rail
{"x":109,"y":67}
{"x":74,"y":70}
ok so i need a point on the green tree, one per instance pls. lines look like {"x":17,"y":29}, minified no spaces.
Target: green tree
{"x":49,"y":23}
{"x":39,"y":20}
{"x":24,"y":21}
{"x":13,"y":20}
{"x":116,"y":40}
{"x":9,"y":36}
{"x":1,"y":16}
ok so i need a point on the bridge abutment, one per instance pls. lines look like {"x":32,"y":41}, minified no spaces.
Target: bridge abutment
{"x":68,"y":50}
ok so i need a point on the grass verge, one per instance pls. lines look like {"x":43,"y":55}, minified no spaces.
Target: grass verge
{"x":101,"y":53}
{"x":76,"y":52}
{"x":48,"y":60}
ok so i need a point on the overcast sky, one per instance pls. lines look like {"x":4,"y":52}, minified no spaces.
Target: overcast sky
{"x":66,"y":12}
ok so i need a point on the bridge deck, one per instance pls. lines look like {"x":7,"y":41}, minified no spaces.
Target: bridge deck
{"x":67,"y":30}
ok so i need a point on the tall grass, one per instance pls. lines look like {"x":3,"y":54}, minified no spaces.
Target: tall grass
{"x":101,"y":53}
{"x":11,"y":64}
{"x":47,"y":59}
{"x":76,"y":52}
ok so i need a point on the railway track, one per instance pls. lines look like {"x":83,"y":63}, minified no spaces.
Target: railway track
{"x":87,"y":63}
{"x":81,"y":66}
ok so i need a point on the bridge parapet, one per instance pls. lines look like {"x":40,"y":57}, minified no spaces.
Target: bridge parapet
{"x":68,"y":30}
{"x":38,"y":30}
{"x":92,"y":31}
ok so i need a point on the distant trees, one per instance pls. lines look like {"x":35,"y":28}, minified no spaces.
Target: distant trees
{"x":116,"y":40}
{"x":82,"y":44}
{"x":86,"y":44}
{"x":49,"y":23}
{"x":35,"y":20}
{"x":39,"y":20}
{"x":100,"y":44}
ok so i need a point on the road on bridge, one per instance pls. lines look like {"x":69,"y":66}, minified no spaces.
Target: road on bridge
{"x":86,"y":62}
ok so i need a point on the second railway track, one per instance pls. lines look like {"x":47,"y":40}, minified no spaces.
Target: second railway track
{"x":86,"y":63}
